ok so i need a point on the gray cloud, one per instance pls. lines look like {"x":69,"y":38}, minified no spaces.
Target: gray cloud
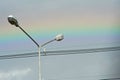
{"x":14,"y":74}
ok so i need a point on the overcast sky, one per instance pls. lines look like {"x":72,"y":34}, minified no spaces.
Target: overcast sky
{"x":84,"y":23}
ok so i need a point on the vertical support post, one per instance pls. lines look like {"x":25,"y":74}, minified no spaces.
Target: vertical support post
{"x":39,"y":64}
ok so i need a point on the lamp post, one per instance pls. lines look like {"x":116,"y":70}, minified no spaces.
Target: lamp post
{"x":59,"y":37}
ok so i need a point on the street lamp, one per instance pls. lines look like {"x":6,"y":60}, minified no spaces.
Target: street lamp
{"x":59,"y":37}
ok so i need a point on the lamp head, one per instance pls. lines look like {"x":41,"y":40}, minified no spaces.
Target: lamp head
{"x":59,"y":37}
{"x":12,"y":21}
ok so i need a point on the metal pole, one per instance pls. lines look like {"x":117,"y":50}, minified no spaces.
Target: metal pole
{"x":39,"y":62}
{"x":39,"y":48}
{"x":47,"y":43}
{"x":39,"y":66}
{"x":13,"y":21}
{"x":29,"y":36}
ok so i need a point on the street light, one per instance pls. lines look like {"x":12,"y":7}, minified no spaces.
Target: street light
{"x":59,"y":37}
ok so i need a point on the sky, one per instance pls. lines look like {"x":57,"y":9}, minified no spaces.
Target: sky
{"x":84,"y":24}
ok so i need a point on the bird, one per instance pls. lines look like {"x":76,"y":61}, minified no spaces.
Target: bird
{"x":12,"y":21}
